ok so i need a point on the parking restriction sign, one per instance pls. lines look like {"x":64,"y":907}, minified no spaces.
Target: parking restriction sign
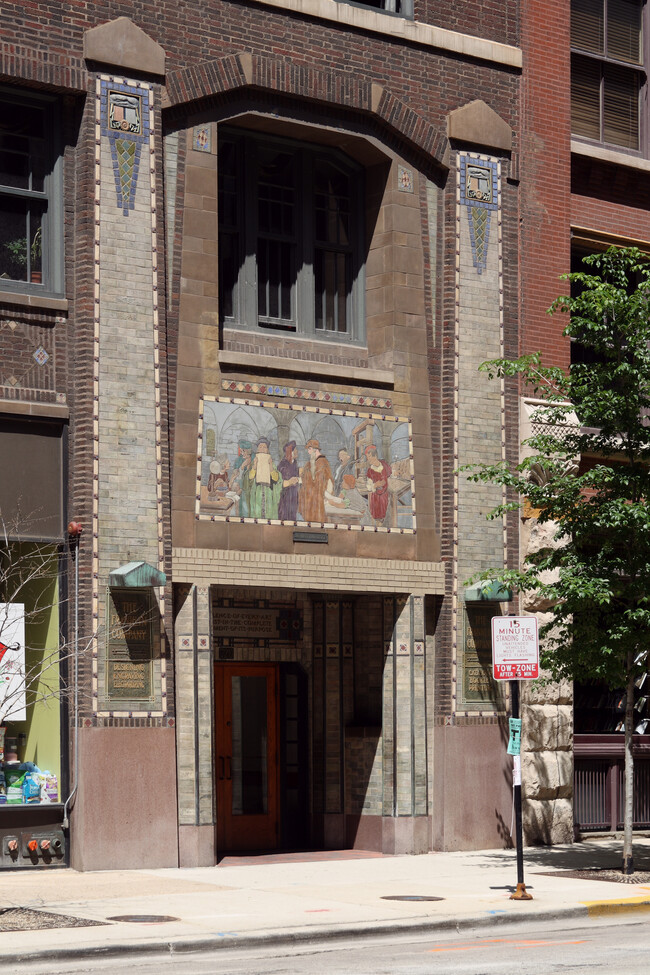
{"x":515,"y":648}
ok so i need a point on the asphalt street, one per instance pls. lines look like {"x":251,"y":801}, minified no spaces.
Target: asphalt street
{"x":594,"y":947}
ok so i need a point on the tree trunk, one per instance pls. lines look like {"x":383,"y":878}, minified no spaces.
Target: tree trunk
{"x":628,"y":812}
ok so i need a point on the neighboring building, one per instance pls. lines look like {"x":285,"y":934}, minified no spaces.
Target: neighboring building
{"x":585,"y":159}
{"x":250,"y":259}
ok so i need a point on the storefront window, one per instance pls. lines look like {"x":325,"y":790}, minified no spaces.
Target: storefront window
{"x":30,"y":675}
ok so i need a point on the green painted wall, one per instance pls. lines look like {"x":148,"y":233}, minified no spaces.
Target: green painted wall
{"x":40,"y":594}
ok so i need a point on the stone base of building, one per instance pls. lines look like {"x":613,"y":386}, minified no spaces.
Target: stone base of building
{"x":383,"y":834}
{"x":124,"y":816}
{"x":197,"y":846}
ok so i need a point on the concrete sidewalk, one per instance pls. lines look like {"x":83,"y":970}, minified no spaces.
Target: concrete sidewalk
{"x":309,"y":897}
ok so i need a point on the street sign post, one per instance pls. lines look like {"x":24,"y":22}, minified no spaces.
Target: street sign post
{"x":515,"y":657}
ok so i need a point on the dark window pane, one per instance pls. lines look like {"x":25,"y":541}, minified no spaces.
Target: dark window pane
{"x":621,"y":107}
{"x":20,"y":118}
{"x":588,"y":25}
{"x":585,"y":98}
{"x":342,"y":293}
{"x":276,"y":219}
{"x":14,"y":167}
{"x":288,"y":210}
{"x":624,"y":30}
{"x":262,"y":278}
{"x":273,"y":281}
{"x":228,"y":273}
{"x":228,"y":185}
{"x":393,"y":6}
{"x":286,"y":281}
{"x":331,"y":205}
{"x":275,"y":277}
{"x":22,"y":146}
{"x":230,"y":251}
{"x":20,"y":239}
{"x":249,"y":746}
{"x":276,"y":192}
{"x":332,"y":287}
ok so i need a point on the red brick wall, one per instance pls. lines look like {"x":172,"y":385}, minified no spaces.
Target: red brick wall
{"x":434,"y":84}
{"x":491,"y":18}
{"x":545,"y":175}
{"x":560,"y":192}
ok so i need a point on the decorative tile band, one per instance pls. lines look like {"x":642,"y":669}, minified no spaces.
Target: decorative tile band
{"x":479,"y":193}
{"x":312,"y":395}
{"x":125,"y":114}
{"x":404,"y":179}
{"x":202,"y":138}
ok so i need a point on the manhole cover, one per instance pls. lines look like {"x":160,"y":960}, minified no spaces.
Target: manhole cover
{"x":144,"y":918}
{"x":411,"y":897}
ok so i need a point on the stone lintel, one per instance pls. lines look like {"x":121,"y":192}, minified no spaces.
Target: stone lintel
{"x":204,"y":567}
{"x":122,"y":44}
{"x":477,"y":124}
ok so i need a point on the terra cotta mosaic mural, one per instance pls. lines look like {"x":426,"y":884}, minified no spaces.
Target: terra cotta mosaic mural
{"x":278,"y":463}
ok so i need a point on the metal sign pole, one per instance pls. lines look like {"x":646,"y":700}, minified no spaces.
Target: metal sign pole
{"x":520,"y":894}
{"x":515,"y":656}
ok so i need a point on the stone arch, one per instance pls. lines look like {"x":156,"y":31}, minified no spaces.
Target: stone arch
{"x":284,"y":78}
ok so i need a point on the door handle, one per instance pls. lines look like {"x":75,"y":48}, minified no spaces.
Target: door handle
{"x":221,"y":767}
{"x":229,"y":776}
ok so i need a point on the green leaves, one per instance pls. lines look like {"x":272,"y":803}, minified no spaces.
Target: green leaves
{"x":586,"y":472}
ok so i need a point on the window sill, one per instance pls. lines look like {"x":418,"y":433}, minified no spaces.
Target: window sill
{"x":28,"y":408}
{"x":379,"y":22}
{"x":54,"y":806}
{"x":29,"y":300}
{"x":610,"y":156}
{"x":245,"y":361}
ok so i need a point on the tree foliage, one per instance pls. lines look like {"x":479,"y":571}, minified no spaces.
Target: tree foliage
{"x":587,"y":471}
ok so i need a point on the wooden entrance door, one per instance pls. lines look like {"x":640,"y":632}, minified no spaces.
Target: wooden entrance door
{"x":247,"y":756}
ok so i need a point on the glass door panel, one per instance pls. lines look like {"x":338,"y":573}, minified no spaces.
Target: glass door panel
{"x":249,"y":746}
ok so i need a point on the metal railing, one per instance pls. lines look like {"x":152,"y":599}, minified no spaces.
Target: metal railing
{"x":599,"y":794}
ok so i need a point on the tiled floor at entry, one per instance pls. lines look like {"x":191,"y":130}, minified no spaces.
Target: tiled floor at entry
{"x":309,"y":856}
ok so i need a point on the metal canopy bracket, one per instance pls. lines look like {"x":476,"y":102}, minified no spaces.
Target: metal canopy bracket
{"x":136,"y":575}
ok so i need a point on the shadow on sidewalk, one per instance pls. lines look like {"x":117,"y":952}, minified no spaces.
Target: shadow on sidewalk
{"x":581,"y":856}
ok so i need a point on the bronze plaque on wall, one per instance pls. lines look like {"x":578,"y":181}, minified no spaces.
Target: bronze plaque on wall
{"x":478,"y":685}
{"x":130,"y":644}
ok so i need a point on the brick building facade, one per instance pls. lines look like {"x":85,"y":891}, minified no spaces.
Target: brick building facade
{"x":266,"y":247}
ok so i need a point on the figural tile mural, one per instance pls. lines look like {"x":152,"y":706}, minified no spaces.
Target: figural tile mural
{"x":276,"y":463}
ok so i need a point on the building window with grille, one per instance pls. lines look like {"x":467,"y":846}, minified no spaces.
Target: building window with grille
{"x":290,"y":237}
{"x":607,"y":71}
{"x":31,"y":248}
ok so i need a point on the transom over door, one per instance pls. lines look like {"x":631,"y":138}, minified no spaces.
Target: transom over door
{"x":246,"y":770}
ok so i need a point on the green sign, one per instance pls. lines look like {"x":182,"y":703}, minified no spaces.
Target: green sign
{"x":514,"y":742}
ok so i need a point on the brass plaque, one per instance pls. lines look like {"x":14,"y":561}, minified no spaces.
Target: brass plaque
{"x":478,"y":685}
{"x":130,"y":644}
